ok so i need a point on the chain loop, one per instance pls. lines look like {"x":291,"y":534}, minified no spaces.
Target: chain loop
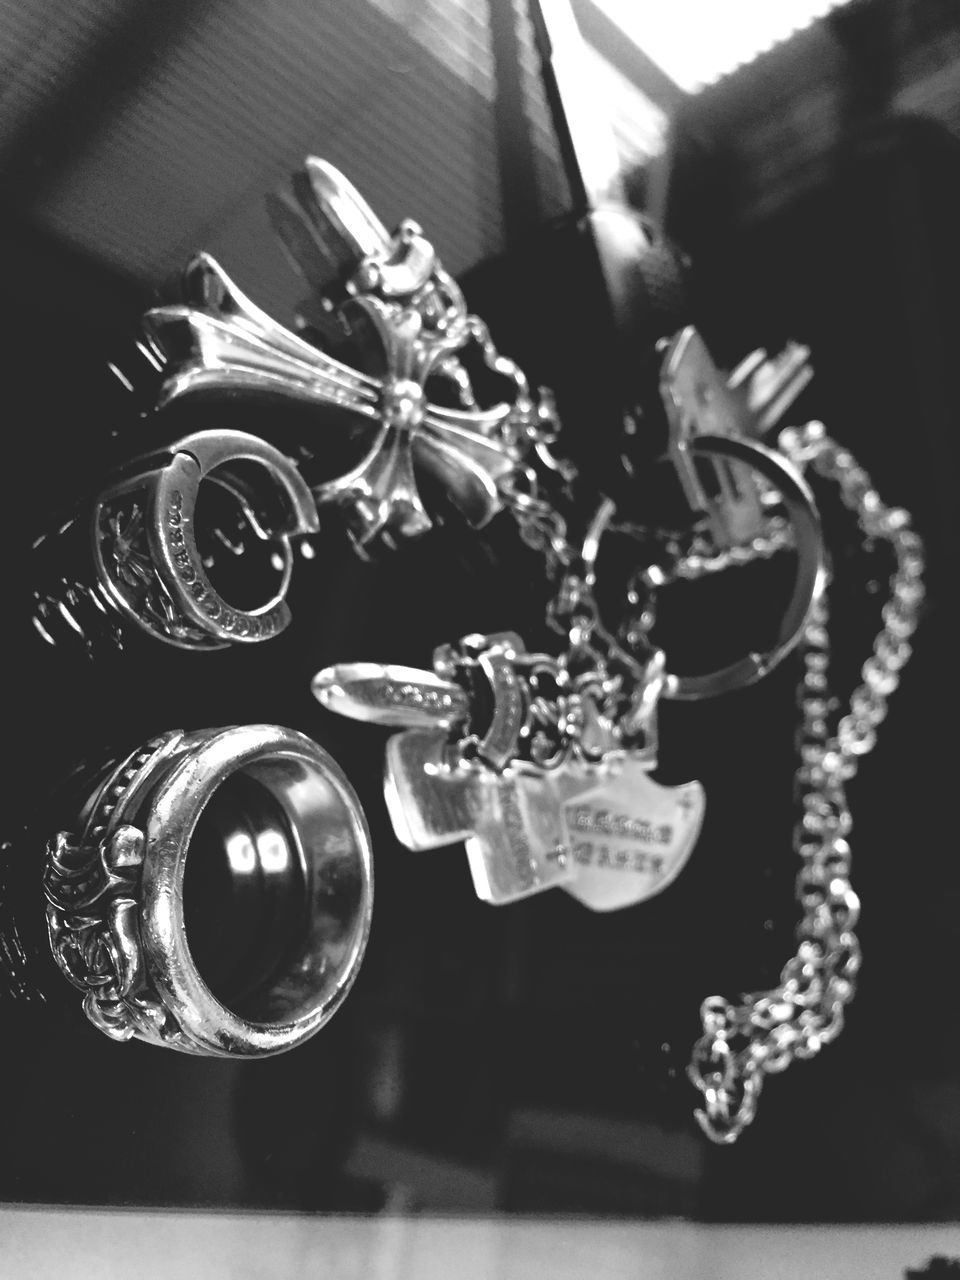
{"x":806,"y":1010}
{"x":766,"y":1031}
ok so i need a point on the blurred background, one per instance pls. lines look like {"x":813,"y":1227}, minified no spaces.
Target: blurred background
{"x":804,"y":159}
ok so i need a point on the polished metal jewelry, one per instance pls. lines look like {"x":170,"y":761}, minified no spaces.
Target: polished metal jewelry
{"x":758,"y":504}
{"x":294,"y":839}
{"x":764,"y":1032}
{"x":800,"y":530}
{"x":422,"y":415}
{"x":135,"y":556}
{"x":556,"y":790}
{"x":702,"y":403}
{"x":548,"y":787}
{"x":755,"y":505}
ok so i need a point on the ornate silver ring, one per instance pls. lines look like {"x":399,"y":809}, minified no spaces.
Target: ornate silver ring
{"x":147,"y":567}
{"x":215,"y":893}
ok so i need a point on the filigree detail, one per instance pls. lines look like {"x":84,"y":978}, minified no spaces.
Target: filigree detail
{"x":220,"y":341}
{"x":544,"y":714}
{"x":92,"y":910}
{"x":125,"y":550}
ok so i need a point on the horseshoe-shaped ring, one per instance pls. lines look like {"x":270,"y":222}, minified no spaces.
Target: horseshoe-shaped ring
{"x":809,"y":583}
{"x":145,"y":551}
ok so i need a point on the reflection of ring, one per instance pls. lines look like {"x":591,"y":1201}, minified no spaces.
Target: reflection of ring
{"x":146,"y":563}
{"x":248,"y":946}
{"x":810,"y":577}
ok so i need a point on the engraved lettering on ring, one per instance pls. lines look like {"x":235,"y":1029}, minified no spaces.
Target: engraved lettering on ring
{"x":145,"y":551}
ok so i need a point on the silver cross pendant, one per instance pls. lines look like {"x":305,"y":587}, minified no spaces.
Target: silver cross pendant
{"x":422,"y":416}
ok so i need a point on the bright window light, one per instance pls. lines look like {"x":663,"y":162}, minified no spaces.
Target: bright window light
{"x":698,"y":41}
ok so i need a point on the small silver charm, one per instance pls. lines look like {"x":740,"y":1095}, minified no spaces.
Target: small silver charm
{"x":448,"y":782}
{"x":546,"y":793}
{"x":392,"y":695}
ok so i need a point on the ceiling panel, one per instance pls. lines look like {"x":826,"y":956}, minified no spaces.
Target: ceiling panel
{"x":140,"y":133}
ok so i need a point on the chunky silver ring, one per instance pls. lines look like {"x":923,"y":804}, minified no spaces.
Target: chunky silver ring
{"x":145,"y":551}
{"x":809,"y":583}
{"x":247,"y":946}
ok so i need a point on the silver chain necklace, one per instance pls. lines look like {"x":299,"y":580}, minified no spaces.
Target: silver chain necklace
{"x":765,"y":1031}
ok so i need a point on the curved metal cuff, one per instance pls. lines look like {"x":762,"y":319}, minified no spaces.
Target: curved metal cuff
{"x":287,"y":827}
{"x":146,"y":566}
{"x":809,"y":583}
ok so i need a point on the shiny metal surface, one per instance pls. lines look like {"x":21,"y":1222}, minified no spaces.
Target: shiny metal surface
{"x":391,"y":695}
{"x":765,"y":1031}
{"x":740,"y":527}
{"x":511,"y":822}
{"x":147,"y":567}
{"x":630,"y":837}
{"x":459,"y":781}
{"x":547,"y":786}
{"x":700,"y":400}
{"x":532,"y":1061}
{"x":116,"y":899}
{"x":396,"y":1245}
{"x":219,"y":341}
{"x":809,"y":581}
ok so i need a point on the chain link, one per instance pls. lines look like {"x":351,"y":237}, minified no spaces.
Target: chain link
{"x":699,"y":558}
{"x":766,"y":1031}
{"x":625,"y":687}
{"x":763,"y":1033}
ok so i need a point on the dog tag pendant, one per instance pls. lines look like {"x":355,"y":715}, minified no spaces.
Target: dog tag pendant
{"x":507,"y":808}
{"x":512,"y":823}
{"x":541,"y":791}
{"x":631,"y":836}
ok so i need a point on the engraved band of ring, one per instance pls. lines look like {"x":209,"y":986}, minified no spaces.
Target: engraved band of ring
{"x":115,"y":893}
{"x":809,"y":583}
{"x":176,"y":601}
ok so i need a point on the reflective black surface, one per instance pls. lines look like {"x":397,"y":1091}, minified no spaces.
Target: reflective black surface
{"x":531,"y":1058}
